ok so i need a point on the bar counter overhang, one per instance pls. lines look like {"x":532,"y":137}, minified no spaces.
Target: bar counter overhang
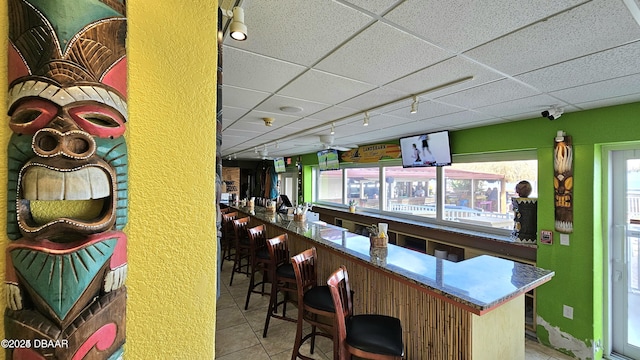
{"x":472,"y":309}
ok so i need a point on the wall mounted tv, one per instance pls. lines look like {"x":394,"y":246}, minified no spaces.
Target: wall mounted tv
{"x":431,"y":149}
{"x":328,"y":160}
{"x":278,"y":165}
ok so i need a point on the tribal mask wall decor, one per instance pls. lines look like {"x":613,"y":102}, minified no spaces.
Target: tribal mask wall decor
{"x":563,"y":182}
{"x":68,"y":175}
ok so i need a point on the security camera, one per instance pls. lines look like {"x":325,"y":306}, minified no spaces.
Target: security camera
{"x":552,"y":113}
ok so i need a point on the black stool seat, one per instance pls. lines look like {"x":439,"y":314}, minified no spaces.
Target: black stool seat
{"x":378,"y":334}
{"x":319,"y":297}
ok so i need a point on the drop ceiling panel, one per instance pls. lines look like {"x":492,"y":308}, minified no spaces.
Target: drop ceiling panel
{"x":610,"y":101}
{"x":426,"y":110}
{"x":523,"y":56}
{"x":460,"y":120}
{"x":613,"y":88}
{"x":489,"y":94}
{"x":333,"y":113}
{"x":251,"y":71}
{"x":324,"y":87}
{"x":608,"y":23}
{"x":372,"y":56}
{"x":613,"y":63}
{"x":242,"y":98}
{"x":231,"y":114}
{"x":375,"y":6}
{"x":459,"y":25}
{"x":375,"y":98}
{"x":301,"y":32}
{"x":534,"y":104}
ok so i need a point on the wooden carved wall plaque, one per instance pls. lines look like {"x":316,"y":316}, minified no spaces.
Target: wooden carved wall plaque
{"x":68,"y":175}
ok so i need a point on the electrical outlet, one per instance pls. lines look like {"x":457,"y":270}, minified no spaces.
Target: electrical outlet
{"x":567,"y":311}
{"x":564,"y":239}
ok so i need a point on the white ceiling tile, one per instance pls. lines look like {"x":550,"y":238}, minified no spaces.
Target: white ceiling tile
{"x":612,"y":88}
{"x":274,"y":104}
{"x":231,"y":114}
{"x":324,"y":87}
{"x":242,"y":98}
{"x":613,"y":63}
{"x":445,"y":72}
{"x":610,"y":101}
{"x":459,"y":25}
{"x":426,"y":110}
{"x":589,"y":28}
{"x":488,"y":94}
{"x":372,"y":56}
{"x":298,"y":31}
{"x":532,"y":104}
{"x":374,"y":98}
{"x":247,"y":70}
{"x":333,"y":113}
{"x":375,"y":6}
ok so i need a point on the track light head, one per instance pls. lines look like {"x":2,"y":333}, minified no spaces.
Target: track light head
{"x":365,"y":121}
{"x":238,"y":29}
{"x":552,"y":113}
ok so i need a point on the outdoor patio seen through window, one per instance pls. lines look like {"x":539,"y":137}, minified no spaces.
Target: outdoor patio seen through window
{"x":476,"y":191}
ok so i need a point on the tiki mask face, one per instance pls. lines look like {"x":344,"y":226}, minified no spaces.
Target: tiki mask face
{"x":67,"y":187}
{"x":68,"y":115}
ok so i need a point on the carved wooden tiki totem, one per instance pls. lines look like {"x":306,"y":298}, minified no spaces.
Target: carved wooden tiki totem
{"x":563,"y":184}
{"x":67,"y":188}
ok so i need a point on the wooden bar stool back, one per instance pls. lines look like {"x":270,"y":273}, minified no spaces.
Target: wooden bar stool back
{"x":368,"y":336}
{"x":228,"y":234}
{"x":315,"y":303}
{"x":260,"y":260}
{"x":242,"y":247}
{"x":283,"y":279}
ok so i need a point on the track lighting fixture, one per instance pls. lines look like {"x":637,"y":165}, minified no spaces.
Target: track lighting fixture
{"x":229,"y":158}
{"x":366,"y":119}
{"x":237,"y":29}
{"x":552,"y":113}
{"x":333,"y":128}
{"x":414,"y":105}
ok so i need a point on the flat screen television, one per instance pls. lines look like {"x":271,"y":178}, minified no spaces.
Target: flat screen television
{"x":431,"y":149}
{"x":278,"y":165}
{"x":328,"y":160}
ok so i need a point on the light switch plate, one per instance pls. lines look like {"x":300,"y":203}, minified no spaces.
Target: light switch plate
{"x":564,"y":239}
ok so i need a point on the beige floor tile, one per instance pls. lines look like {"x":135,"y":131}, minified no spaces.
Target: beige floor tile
{"x":255,"y":352}
{"x":235,"y":338}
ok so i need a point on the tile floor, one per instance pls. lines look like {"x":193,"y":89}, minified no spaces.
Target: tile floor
{"x":239,"y":331}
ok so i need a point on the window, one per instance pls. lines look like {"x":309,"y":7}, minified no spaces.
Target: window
{"x":475,"y":192}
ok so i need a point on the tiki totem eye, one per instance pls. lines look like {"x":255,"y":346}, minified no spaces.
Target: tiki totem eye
{"x":98,"y":120}
{"x":32,"y":115}
{"x":568,"y":184}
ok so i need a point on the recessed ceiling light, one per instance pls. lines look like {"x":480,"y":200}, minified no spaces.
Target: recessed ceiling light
{"x":291,"y":109}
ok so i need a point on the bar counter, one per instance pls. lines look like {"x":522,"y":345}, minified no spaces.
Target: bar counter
{"x":472,"y":309}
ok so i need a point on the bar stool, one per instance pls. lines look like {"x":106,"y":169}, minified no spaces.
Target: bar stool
{"x":228,"y":234}
{"x":282,"y":278}
{"x":313,"y":300}
{"x":367,"y":336}
{"x":241,"y":246}
{"x":260,"y":260}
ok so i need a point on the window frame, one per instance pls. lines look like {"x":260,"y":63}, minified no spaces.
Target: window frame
{"x":516,"y":155}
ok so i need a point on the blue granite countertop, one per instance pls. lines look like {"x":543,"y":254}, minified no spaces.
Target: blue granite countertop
{"x":479,"y":284}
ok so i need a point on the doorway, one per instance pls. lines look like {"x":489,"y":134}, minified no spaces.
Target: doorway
{"x":289,"y":184}
{"x":624,"y":254}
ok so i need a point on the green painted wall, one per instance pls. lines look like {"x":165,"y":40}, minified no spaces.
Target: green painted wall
{"x":579,"y":267}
